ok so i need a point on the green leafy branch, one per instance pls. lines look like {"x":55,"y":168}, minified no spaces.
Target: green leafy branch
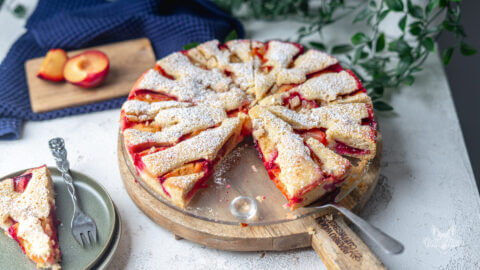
{"x":382,"y":62}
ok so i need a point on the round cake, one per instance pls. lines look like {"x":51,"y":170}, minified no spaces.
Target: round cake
{"x":312,"y":121}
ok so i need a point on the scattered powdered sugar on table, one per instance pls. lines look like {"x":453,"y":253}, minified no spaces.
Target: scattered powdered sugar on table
{"x":380,"y":199}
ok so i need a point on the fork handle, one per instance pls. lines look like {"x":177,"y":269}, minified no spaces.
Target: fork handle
{"x":57,"y":146}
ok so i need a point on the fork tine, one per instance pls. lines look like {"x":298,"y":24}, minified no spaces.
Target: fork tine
{"x":78,"y":237}
{"x":94,"y":234}
{"x":87,"y":239}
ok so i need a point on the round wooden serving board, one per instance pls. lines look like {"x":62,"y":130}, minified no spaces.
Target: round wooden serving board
{"x":336,"y":244}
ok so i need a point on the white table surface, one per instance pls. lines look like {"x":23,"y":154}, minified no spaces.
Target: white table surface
{"x":426,"y":197}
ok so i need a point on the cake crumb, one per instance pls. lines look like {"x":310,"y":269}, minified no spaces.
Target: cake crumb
{"x":290,"y":216}
{"x":311,"y":230}
{"x":329,"y":217}
{"x":254,"y":169}
{"x":261,"y":198}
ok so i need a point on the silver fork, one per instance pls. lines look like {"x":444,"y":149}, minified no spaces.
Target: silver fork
{"x":82,"y":224}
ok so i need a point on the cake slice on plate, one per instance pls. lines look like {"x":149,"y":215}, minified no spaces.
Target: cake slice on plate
{"x":27,"y":214}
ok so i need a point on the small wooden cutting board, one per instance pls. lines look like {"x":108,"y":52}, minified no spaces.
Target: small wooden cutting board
{"x":128,"y":60}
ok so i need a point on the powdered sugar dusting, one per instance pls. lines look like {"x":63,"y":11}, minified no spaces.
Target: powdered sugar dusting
{"x":237,"y":75}
{"x":176,"y":122}
{"x":203,"y":146}
{"x":328,"y":86}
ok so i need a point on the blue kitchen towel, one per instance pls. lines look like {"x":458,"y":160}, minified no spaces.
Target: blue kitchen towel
{"x":78,"y":24}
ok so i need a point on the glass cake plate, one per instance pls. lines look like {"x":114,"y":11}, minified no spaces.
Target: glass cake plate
{"x":240,"y":192}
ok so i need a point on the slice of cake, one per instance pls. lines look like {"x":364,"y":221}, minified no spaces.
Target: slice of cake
{"x":27,"y":214}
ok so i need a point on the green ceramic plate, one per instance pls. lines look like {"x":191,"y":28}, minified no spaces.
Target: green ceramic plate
{"x":94,"y":200}
{"x":112,"y":248}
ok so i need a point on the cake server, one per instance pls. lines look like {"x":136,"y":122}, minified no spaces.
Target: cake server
{"x":384,"y":241}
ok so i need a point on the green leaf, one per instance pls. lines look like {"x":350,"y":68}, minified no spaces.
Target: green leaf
{"x":432,"y":4}
{"x":370,"y":44}
{"x":404,"y":64}
{"x":381,"y":77}
{"x":416,"y":23}
{"x":396,"y":5}
{"x":447,"y":55}
{"x":429,"y":44}
{"x":20,"y":11}
{"x":466,"y":49}
{"x":362,"y":15}
{"x":449,"y":26}
{"x":443,"y":3}
{"x":416,"y":69}
{"x":236,"y":4}
{"x":318,"y":45}
{"x":357,"y":54}
{"x":370,"y":66}
{"x":359,"y":38}
{"x":409,"y":80}
{"x":414,"y":10}
{"x":399,"y":45}
{"x":190,"y":46}
{"x":415,"y":30}
{"x":459,"y":31}
{"x":402,"y":23}
{"x":231,"y":36}
{"x":378,"y":90}
{"x":383,"y":14}
{"x":380,"y":43}
{"x":342,"y":48}
{"x":382,"y":106}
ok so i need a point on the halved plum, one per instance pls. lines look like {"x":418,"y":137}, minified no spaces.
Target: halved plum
{"x":87,"y":69}
{"x":52,"y":66}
